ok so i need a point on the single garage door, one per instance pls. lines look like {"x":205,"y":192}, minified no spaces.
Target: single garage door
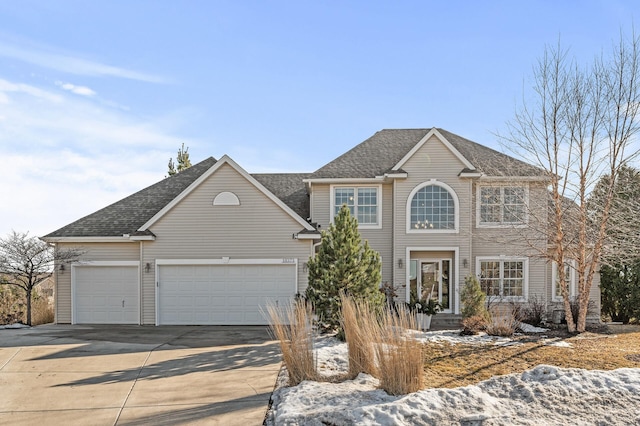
{"x":222,"y":294}
{"x":106,"y":294}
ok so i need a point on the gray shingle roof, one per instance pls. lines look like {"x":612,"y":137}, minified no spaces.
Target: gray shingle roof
{"x":382,"y":151}
{"x":129,"y":214}
{"x":289,"y":188}
{"x":373,"y":157}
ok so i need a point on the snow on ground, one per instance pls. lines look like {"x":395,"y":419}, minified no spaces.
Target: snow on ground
{"x":528,"y":328}
{"x":543,"y":395}
{"x":16,"y":325}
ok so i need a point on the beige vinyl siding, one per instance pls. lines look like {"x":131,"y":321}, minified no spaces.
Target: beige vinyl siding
{"x":195,"y":229}
{"x":92,"y":252}
{"x":321,"y":204}
{"x":528,"y":241}
{"x":594,"y":294}
{"x":380,"y":240}
{"x":433,"y":161}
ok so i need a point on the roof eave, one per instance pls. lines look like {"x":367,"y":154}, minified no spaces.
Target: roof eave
{"x":514,"y":178}
{"x":376,"y":179}
{"x":93,"y":239}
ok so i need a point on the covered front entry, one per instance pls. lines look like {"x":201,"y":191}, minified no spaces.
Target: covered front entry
{"x":218,"y":293}
{"x":430,"y":278}
{"x":432,"y":275}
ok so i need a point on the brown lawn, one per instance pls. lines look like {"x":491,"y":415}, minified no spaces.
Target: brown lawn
{"x":449,"y":365}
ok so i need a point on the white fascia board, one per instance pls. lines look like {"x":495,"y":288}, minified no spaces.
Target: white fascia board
{"x":122,"y":239}
{"x":309,"y":236}
{"x":436,"y":133}
{"x":142,"y":238}
{"x":471,"y":175}
{"x":387,"y":176}
{"x":344,"y":180}
{"x":228,"y":261}
{"x":514,"y":178}
{"x":106,"y":263}
{"x":222,"y":161}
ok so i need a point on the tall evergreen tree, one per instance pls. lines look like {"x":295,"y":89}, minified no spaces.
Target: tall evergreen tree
{"x":343,"y":264}
{"x":182,"y":159}
{"x":620,"y":272}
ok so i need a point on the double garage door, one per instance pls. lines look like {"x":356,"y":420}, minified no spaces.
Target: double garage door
{"x":222,"y":294}
{"x":211,"y":294}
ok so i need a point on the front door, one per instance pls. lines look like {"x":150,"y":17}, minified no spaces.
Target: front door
{"x":432,"y":280}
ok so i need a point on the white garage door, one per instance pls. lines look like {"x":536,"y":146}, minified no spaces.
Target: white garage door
{"x":106,"y":294}
{"x":222,"y":294}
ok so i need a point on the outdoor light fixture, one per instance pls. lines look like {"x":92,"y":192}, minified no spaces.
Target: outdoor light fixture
{"x":465,"y":262}
{"x":400,"y":263}
{"x":147,"y":267}
{"x":62,"y":268}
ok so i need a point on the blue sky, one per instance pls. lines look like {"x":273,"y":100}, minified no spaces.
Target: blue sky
{"x":95,"y":96}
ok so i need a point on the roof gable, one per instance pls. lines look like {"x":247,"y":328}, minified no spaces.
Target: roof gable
{"x":203,"y":177}
{"x":126,"y":216}
{"x":388,"y":149}
{"x":420,"y":144}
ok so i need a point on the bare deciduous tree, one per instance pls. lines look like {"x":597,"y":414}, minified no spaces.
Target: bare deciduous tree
{"x":27,"y":261}
{"x":580,"y":124}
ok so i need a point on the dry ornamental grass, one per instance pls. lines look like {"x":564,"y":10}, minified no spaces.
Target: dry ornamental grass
{"x":293,"y":328}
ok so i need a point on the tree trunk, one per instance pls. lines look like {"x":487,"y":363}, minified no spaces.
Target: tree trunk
{"x":29,"y":306}
{"x":582,"y":312}
{"x":571,"y":325}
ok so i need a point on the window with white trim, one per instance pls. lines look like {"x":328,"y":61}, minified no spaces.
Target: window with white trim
{"x":433,"y":207}
{"x":362,"y":201}
{"x":503,"y":277}
{"x":502,"y":205}
{"x":569,"y":278}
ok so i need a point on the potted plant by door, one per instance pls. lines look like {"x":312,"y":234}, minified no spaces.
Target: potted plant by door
{"x":424,"y":310}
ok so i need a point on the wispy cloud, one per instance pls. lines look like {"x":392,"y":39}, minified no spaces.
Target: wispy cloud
{"x":66,"y":156}
{"x":72,"y":64}
{"x":78,"y":90}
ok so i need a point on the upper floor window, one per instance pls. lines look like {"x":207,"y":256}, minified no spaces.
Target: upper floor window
{"x":503,"y":277}
{"x":364,"y":203}
{"x":569,"y":279}
{"x":502,"y":205}
{"x":432,"y":207}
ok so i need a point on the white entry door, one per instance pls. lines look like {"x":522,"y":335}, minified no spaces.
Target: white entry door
{"x":106,"y":294}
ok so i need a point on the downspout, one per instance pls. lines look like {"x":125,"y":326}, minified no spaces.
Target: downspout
{"x":56,"y":286}
{"x":141,"y":287}
{"x":393,"y":236}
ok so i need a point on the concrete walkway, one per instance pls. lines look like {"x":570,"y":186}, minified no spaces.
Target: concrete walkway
{"x":135,"y":375}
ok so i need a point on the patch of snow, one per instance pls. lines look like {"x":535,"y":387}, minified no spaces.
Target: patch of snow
{"x":454,"y":337}
{"x":331,"y":356}
{"x":14,"y":326}
{"x":528,"y":328}
{"x":542,"y":395}
{"x":557,"y":343}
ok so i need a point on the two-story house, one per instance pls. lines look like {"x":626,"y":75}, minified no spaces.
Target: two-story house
{"x":214,"y":244}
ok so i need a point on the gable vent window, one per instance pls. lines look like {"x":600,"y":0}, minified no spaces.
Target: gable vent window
{"x":226,"y":199}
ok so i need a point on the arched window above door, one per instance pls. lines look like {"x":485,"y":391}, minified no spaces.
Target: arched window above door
{"x":432,"y":207}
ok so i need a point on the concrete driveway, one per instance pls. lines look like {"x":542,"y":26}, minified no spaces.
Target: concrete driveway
{"x":135,"y":375}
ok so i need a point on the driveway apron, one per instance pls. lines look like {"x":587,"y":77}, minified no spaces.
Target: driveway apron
{"x":136,"y":375}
